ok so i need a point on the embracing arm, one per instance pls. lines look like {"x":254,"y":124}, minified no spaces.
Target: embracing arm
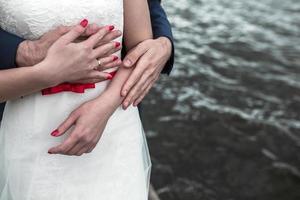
{"x":137,"y":29}
{"x":161,"y":28}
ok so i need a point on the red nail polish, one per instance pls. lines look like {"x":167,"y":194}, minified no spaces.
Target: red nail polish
{"x":109,"y":77}
{"x":117,"y":44}
{"x":49,"y":152}
{"x":84,"y":23}
{"x":115,"y":58}
{"x":111,"y":27}
{"x":55,"y":133}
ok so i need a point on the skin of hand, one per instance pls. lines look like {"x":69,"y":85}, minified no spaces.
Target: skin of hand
{"x":88,"y":128}
{"x":148,"y":60}
{"x":84,"y":57}
{"x":30,"y":53}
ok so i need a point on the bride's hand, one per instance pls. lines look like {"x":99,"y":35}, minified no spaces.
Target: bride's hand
{"x":89,"y":120}
{"x":70,"y":62}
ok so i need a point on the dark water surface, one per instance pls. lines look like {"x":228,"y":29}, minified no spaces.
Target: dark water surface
{"x":226,"y":124}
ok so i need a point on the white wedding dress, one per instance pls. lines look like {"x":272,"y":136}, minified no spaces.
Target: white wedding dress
{"x":119,"y":166}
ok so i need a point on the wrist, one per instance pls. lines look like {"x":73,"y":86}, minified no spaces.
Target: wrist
{"x":44,"y":76}
{"x":111,"y":101}
{"x":166,"y":43}
{"x":21,"y":53}
{"x":26,"y":53}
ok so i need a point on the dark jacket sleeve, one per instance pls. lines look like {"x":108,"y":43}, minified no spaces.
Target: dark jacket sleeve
{"x":161,"y":28}
{"x":8,"y":48}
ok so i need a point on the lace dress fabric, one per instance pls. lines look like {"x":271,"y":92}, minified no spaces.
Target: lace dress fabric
{"x":118,"y":168}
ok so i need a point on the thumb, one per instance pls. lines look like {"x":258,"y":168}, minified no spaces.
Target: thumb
{"x":74,"y":33}
{"x":66,"y":125}
{"x":133,"y":56}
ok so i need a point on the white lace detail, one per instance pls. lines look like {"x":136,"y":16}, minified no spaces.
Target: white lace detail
{"x":32,"y":18}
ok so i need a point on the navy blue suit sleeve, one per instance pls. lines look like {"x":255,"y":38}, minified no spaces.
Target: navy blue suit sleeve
{"x":161,"y":28}
{"x":8,"y":48}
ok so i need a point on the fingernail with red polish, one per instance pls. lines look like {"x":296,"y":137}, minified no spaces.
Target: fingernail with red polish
{"x":109,"y":77}
{"x":115,"y":58}
{"x":111,"y":27}
{"x":55,"y":133}
{"x":117,"y":44}
{"x":84,"y":23}
{"x":49,"y":152}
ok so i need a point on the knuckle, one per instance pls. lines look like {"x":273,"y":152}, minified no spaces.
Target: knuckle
{"x":90,"y":56}
{"x":85,"y":47}
{"x":101,"y":33}
{"x":89,"y":151}
{"x":74,"y":115}
{"x":148,"y":73}
{"x":76,"y":137}
{"x":131,"y":94}
{"x":85,"y":139}
{"x":141,"y":45}
{"x":99,"y":76}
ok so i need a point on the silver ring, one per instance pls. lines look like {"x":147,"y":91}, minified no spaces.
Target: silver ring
{"x":99,"y":62}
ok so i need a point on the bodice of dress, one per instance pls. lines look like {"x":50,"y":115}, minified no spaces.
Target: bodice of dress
{"x":30,"y":19}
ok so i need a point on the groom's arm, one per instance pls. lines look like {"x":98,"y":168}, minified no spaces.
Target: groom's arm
{"x":150,"y":58}
{"x":161,"y":28}
{"x":18,"y":52}
{"x":8,"y":49}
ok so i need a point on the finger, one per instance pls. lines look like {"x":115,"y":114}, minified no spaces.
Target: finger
{"x":113,"y":64}
{"x":106,"y":49}
{"x":63,"y":148}
{"x":109,"y":62}
{"x":91,"y":148}
{"x":66,"y":125}
{"x":83,"y":150}
{"x":136,"y":91}
{"x":73,"y":34}
{"x":76,"y":149}
{"x":112,"y":51}
{"x":133,"y":56}
{"x":109,"y":37}
{"x":55,"y":34}
{"x":82,"y":81}
{"x":91,"y":29}
{"x":99,"y":75}
{"x":93,"y":40}
{"x":145,"y":92}
{"x":135,"y":75}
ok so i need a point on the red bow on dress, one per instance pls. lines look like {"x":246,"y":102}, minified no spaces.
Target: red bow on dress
{"x":72,"y":87}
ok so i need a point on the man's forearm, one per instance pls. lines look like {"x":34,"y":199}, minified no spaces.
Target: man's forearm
{"x":162,"y":28}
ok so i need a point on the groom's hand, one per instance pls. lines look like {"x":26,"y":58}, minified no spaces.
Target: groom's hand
{"x":30,"y":53}
{"x":149,"y":59}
